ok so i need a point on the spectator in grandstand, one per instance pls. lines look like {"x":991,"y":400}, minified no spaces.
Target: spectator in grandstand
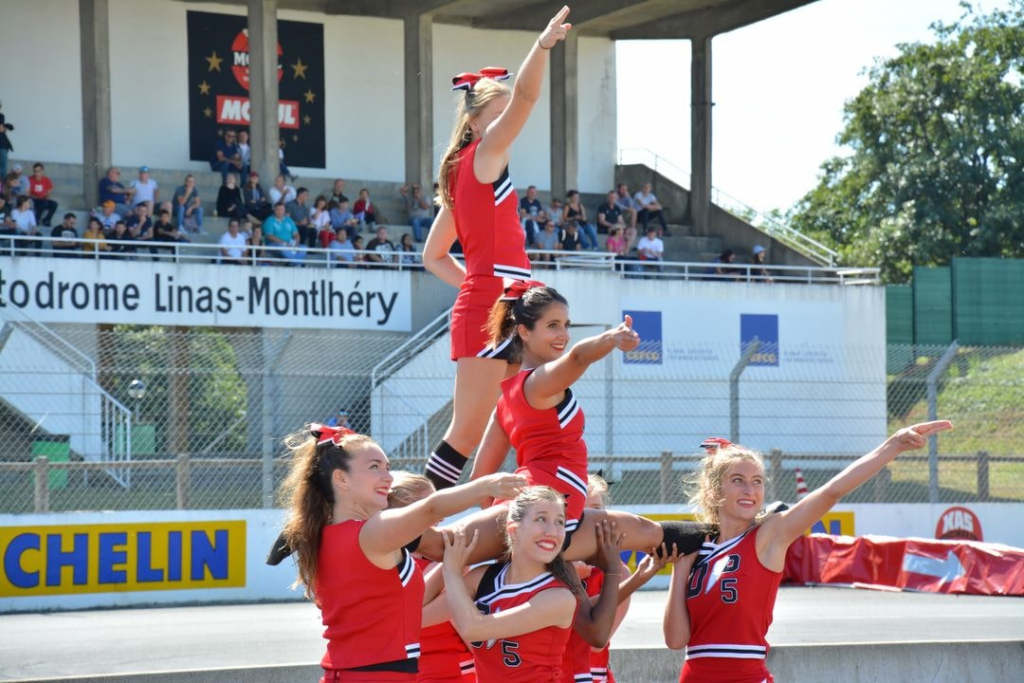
{"x":39,"y":189}
{"x":227,"y":157}
{"x":339,"y":420}
{"x":649,"y":207}
{"x":419,"y":210}
{"x":232,"y":245}
{"x":616,"y":244}
{"x":164,"y":230}
{"x":257,"y":203}
{"x":112,"y":190}
{"x":757,"y":258}
{"x":145,"y":190}
{"x":383,"y":248}
{"x":320,"y":220}
{"x":140,"y":227}
{"x":407,"y":250}
{"x":720,"y":604}
{"x":5,"y":142}
{"x":279,"y":230}
{"x":285,"y":171}
{"x":188,"y":206}
{"x":547,"y":240}
{"x":281,"y":192}
{"x":6,"y":222}
{"x":301,"y":213}
{"x":651,"y":248}
{"x":122,"y":241}
{"x":337,"y":193}
{"x":530,"y":206}
{"x":627,"y":205}
{"x":341,"y":217}
{"x":230,"y":202}
{"x":65,"y":236}
{"x":255,"y":244}
{"x":106,"y":214}
{"x":95,"y":239}
{"x":574,"y":210}
{"x":609,"y":215}
{"x":25,"y":224}
{"x":244,"y":148}
{"x":341,"y":248}
{"x":718,"y":269}
{"x":569,"y":240}
{"x":556,"y":212}
{"x":365,"y":211}
{"x":533,"y":224}
{"x":17,"y":182}
{"x":357,"y":246}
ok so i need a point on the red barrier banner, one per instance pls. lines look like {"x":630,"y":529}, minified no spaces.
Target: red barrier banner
{"x":915,"y":564}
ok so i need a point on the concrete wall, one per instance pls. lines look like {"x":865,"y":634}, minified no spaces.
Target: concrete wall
{"x":364,"y":79}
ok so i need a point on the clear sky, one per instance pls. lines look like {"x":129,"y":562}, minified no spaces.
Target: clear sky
{"x":779,"y":87}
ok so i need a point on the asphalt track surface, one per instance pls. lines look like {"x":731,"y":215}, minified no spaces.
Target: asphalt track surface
{"x":96,"y":642}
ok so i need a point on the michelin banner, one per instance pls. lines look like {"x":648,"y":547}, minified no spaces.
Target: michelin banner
{"x":139,"y":293}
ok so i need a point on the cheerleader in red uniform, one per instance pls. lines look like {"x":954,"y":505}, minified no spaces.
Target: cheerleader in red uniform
{"x":480,"y":208}
{"x":720,"y":601}
{"x":522,"y":610}
{"x":352,"y":552}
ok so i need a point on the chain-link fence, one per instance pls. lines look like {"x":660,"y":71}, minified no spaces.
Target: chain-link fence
{"x":163,"y":418}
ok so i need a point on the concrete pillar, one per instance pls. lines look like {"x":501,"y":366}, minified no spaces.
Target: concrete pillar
{"x":700,"y":135}
{"x":564,"y":116}
{"x":264,"y":134}
{"x":419,"y":100}
{"x":97,"y":154}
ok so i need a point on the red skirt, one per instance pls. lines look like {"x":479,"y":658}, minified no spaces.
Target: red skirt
{"x":470,"y":338}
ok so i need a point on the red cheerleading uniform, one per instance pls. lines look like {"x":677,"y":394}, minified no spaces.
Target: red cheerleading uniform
{"x":577,"y":666}
{"x":494,"y":245}
{"x":550,"y":449}
{"x":383,"y":642}
{"x":730,"y":598}
{"x":599,"y":671}
{"x":534,"y":657}
{"x":444,"y":657}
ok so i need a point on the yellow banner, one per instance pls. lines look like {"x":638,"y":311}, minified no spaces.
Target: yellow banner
{"x":835,"y":523}
{"x":115,"y":558}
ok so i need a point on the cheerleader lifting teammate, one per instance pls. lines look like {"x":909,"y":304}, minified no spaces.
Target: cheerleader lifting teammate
{"x":721,"y":600}
{"x":479,"y":207}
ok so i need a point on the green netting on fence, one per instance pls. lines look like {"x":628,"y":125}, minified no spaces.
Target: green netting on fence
{"x":988,"y":301}
{"x":933,"y":305}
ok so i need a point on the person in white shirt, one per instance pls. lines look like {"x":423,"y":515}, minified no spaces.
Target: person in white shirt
{"x":25,"y":223}
{"x":649,"y":207}
{"x":233,"y":245}
{"x":146,"y":190}
{"x":243,"y":147}
{"x":281,"y":192}
{"x":650,"y":248}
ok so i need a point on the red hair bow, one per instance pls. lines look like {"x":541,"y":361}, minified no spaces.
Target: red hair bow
{"x":466,"y":81}
{"x":715,"y":442}
{"x":517,"y":289}
{"x":325,"y":433}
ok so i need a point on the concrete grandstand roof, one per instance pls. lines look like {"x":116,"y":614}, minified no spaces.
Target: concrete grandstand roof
{"x":616,"y":19}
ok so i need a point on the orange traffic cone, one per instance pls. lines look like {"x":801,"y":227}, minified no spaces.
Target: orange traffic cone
{"x":801,"y":485}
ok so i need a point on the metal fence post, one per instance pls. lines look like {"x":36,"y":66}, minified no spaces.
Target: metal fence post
{"x":881,"y":483}
{"x":665,"y":480}
{"x":774,"y":474}
{"x":983,"y":475}
{"x":734,"y":388}
{"x":933,"y":400}
{"x":182,"y":480}
{"x":42,"y":475}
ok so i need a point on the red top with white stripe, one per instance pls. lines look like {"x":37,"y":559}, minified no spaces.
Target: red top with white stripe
{"x":388,"y":602}
{"x":730,"y":598}
{"x":577,"y":665}
{"x":487,"y":222}
{"x":445,"y":656}
{"x":549,"y":441}
{"x":534,"y":657}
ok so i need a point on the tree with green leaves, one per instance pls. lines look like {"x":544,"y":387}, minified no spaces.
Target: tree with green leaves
{"x":937,"y":163}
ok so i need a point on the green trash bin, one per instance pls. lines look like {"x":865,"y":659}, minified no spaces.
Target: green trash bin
{"x":57,"y":448}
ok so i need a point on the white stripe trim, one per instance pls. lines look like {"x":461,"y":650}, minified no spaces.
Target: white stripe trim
{"x":442,"y":469}
{"x":511,"y":272}
{"x":412,"y":651}
{"x":572,"y":524}
{"x":570,"y":478}
{"x":489,"y":352}
{"x":573,"y":407}
{"x":503,"y":190}
{"x":715,"y":551}
{"x":583,"y":678}
{"x":727,"y":651}
{"x":468,"y":666}
{"x":512,"y":590}
{"x":444,"y":465}
{"x":407,"y":569}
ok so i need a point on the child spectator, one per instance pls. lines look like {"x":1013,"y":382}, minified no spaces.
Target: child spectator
{"x":164,"y":230}
{"x":359,"y":259}
{"x":39,"y":189}
{"x":364,"y":210}
{"x":95,"y":239}
{"x":122,"y":241}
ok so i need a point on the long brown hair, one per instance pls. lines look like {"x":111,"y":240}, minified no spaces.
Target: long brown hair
{"x":517,"y":510}
{"x":308,"y":492}
{"x":526,"y":310}
{"x":471,"y":103}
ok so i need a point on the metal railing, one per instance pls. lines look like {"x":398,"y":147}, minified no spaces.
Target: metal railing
{"x":628,"y":267}
{"x":808,"y":246}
